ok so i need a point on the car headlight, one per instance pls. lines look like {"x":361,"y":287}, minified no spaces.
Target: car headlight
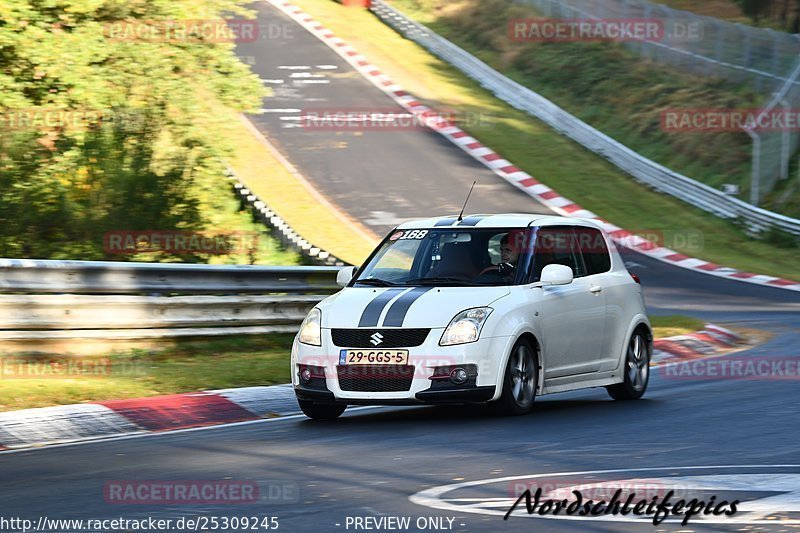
{"x":310,"y":329}
{"x":465,"y":327}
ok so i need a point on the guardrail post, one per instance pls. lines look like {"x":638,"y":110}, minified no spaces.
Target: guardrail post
{"x":755,"y":178}
{"x":785,"y":141}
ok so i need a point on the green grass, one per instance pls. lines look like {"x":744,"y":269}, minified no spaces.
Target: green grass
{"x":185,"y":366}
{"x":607,"y":85}
{"x":731,"y":11}
{"x":616,"y":90}
{"x":668,"y":326}
{"x":305,"y":210}
{"x":553,"y":159}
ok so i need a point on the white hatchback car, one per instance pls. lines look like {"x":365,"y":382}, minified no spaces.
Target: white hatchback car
{"x":485,"y":308}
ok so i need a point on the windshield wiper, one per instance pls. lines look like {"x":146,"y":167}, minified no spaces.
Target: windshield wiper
{"x":439,"y":281}
{"x":376,"y":282}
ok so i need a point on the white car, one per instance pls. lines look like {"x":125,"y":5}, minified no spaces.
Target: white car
{"x":484,"y":308}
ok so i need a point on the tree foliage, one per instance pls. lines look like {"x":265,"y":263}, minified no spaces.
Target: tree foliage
{"x":105,"y":130}
{"x":784,"y":13}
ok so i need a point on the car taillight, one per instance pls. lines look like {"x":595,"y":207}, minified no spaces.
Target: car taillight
{"x":636,"y":279}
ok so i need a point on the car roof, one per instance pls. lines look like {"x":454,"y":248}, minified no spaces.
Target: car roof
{"x":503,"y":220}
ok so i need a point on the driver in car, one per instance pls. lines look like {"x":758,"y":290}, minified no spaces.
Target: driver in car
{"x":509,"y":254}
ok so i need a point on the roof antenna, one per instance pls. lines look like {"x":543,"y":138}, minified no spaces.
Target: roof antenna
{"x":461,"y":214}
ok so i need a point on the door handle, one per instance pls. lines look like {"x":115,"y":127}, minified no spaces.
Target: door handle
{"x":595,"y":289}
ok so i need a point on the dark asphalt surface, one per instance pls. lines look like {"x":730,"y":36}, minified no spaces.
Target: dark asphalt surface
{"x":380,"y":177}
{"x":371,"y":461}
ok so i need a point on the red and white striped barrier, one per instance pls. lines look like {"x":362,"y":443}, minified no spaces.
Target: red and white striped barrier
{"x":708,"y":342}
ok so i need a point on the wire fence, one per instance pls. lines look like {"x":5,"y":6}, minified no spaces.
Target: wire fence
{"x":764,"y":59}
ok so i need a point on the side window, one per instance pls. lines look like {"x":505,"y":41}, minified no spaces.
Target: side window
{"x":557,"y":245}
{"x":594,"y":250}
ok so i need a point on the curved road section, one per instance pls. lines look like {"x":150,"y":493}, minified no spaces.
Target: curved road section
{"x":379,"y":166}
{"x":700,"y":432}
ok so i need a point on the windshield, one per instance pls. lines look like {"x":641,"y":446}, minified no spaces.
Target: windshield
{"x":456,"y":257}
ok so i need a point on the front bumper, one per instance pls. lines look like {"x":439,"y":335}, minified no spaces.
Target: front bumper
{"x":435,"y":397}
{"x":486,"y":355}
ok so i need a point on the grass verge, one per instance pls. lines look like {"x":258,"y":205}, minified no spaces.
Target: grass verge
{"x":286,"y":194}
{"x":555,"y":160}
{"x":671,"y":325}
{"x":185,"y":366}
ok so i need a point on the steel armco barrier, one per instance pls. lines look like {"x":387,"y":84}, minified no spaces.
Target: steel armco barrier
{"x":33,"y":276}
{"x":642,"y":169}
{"x":90,"y":307}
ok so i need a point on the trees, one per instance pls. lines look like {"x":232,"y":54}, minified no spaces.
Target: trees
{"x":784,"y":13}
{"x":102,"y":130}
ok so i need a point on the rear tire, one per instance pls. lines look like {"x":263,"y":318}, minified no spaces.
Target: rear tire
{"x":636,"y":370}
{"x":521,"y":380}
{"x":321,"y":411}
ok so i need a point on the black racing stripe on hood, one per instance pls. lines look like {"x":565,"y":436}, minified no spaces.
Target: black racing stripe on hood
{"x":372,"y":313}
{"x":397,"y":312}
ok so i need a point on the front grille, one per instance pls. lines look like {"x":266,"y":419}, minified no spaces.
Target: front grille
{"x":375,"y":378}
{"x":392,"y":338}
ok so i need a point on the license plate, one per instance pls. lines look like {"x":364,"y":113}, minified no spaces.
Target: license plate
{"x":373,"y":357}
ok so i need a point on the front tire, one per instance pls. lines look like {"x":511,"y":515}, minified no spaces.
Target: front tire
{"x":636,"y":370}
{"x":521,"y":379}
{"x":321,"y":411}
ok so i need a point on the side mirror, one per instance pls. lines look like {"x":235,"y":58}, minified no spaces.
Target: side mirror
{"x":344,"y":276}
{"x":556,"y":275}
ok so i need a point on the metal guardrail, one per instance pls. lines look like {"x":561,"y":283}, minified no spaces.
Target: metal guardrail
{"x":117,"y":312}
{"x":88,"y":307}
{"x":280,"y":228}
{"x":34,"y":276}
{"x":642,"y":169}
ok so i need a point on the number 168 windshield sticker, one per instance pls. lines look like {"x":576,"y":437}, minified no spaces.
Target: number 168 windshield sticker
{"x":409,"y":234}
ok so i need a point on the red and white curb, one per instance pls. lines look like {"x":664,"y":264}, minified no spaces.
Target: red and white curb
{"x":709,"y":342}
{"x":506,"y":170}
{"x":62,"y":424}
{"x":90,"y":421}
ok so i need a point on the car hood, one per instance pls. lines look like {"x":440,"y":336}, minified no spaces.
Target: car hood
{"x":407,"y":307}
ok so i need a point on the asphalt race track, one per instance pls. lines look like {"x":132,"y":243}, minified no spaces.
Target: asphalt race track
{"x":372,"y":461}
{"x":379,"y":177}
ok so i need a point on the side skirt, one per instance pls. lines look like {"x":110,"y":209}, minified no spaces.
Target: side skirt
{"x":581,"y":381}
